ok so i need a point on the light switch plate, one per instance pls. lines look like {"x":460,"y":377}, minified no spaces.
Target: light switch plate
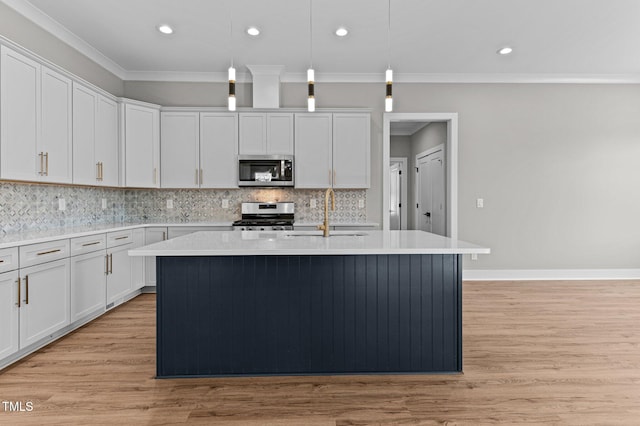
{"x":62,"y":205}
{"x":225,"y":204}
{"x":313,"y":203}
{"x":169,"y":204}
{"x":361,"y":204}
{"x":480,"y":203}
{"x":104,"y":203}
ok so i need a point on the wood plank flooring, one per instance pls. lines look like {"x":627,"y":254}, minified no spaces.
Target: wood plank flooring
{"x":535,"y":353}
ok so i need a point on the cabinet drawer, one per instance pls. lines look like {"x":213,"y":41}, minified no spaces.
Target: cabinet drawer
{"x":35,"y":254}
{"x":115,"y":239}
{"x":88,"y":244}
{"x":8,"y":259}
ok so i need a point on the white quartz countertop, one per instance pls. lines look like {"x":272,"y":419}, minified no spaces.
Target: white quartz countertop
{"x":265,"y":243}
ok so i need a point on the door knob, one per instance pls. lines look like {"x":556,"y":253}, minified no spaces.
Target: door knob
{"x":428,"y":214}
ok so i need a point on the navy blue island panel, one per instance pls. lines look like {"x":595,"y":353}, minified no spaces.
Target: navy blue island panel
{"x":288,"y":315}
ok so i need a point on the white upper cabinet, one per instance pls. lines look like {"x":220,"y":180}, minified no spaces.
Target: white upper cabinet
{"x":85,"y":171}
{"x":332,"y":150}
{"x":35,"y":120}
{"x":56,"y":130}
{"x":95,"y":138}
{"x":351,"y":150}
{"x":106,"y":149}
{"x":266,"y":134}
{"x":141,"y":140}
{"x":218,"y":150}
{"x":314,"y":150}
{"x":179,"y":147}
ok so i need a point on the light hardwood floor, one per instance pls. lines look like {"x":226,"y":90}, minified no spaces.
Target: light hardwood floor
{"x":535,"y":352}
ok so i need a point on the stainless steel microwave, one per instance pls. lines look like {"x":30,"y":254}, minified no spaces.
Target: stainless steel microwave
{"x":265,"y":170}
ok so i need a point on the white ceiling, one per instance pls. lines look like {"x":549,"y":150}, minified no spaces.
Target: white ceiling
{"x":431,"y":40}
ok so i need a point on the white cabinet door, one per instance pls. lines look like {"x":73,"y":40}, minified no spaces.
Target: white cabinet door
{"x":19,"y":117}
{"x":253,"y":135}
{"x":142,"y":146}
{"x":179,"y":146}
{"x":351,"y":146}
{"x":137,"y":263}
{"x":88,"y":284}
{"x":280,"y":134}
{"x":119,"y":276}
{"x":153,"y":235}
{"x":219,"y":150}
{"x":45,"y":300}
{"x":85,"y":169}
{"x":313,"y":148}
{"x":9,"y":313}
{"x":106,"y":147}
{"x":55,"y":133}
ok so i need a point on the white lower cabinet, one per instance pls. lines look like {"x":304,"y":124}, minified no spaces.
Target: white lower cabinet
{"x":118,"y":275}
{"x":44,"y":300}
{"x":137,"y":263}
{"x":9,"y":314}
{"x":153,"y":235}
{"x":88,"y":284}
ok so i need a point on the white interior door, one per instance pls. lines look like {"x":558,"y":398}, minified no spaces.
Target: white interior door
{"x":430,"y":207}
{"x":395,"y":221}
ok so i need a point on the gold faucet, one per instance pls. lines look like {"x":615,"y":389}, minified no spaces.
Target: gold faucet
{"x":325,"y":225}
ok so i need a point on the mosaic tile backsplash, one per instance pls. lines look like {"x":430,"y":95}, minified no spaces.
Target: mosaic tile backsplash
{"x":28,"y":207}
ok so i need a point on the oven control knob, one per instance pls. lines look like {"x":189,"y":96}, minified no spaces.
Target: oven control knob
{"x":262,"y":229}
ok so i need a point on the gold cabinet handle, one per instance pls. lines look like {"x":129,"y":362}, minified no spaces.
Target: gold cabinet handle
{"x":42,"y":253}
{"x":98,"y":171}
{"x":101,"y":171}
{"x":46,"y":158}
{"x":19,"y":290}
{"x":26,"y":283}
{"x":122,"y":238}
{"x":164,"y":235}
{"x":91,"y":244}
{"x":41,"y":155}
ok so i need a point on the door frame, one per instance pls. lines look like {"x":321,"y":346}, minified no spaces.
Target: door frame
{"x":451,"y":152}
{"x":404,"y":182}
{"x":416,"y":187}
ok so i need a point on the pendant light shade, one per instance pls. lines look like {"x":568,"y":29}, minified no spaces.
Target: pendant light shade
{"x":388,"y":100}
{"x":311,"y":100}
{"x":311,"y":74}
{"x":232,"y":89}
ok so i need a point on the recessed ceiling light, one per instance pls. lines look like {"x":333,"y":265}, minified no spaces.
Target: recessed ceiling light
{"x":342,"y":31}
{"x":253,"y":31}
{"x":165,"y":29}
{"x":505,"y":50}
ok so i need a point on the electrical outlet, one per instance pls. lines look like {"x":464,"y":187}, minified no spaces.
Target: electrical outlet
{"x":480,"y":203}
{"x":225,"y":204}
{"x":313,"y":203}
{"x":169,"y":204}
{"x":62,"y":205}
{"x":361,"y":204}
{"x":474,"y":256}
{"x":104,"y":203}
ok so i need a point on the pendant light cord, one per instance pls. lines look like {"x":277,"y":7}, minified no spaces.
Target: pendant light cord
{"x":310,"y":34}
{"x":389,"y":34}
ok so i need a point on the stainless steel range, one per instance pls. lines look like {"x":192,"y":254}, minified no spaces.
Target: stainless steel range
{"x":266,"y":217}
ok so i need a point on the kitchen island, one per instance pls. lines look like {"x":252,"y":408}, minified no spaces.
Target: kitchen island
{"x":286,"y":302}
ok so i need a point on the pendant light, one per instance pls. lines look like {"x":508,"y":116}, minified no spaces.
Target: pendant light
{"x":388,"y":100}
{"x":232,"y":70}
{"x":311,"y":99}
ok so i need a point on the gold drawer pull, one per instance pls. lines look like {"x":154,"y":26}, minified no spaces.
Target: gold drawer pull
{"x":48,"y":252}
{"x":91,"y":244}
{"x":122,"y":238}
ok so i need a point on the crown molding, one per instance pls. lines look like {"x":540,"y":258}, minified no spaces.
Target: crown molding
{"x":52,"y":26}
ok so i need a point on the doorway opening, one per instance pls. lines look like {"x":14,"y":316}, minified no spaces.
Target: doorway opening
{"x":429,"y":141}
{"x":398,"y":185}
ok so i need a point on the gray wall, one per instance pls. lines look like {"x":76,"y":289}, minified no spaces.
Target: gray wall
{"x":428,"y":137}
{"x":25,"y":33}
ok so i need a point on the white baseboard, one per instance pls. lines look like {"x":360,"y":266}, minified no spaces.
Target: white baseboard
{"x":549,"y":274}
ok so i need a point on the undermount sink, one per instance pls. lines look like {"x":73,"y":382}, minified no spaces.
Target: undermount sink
{"x":319,"y":234}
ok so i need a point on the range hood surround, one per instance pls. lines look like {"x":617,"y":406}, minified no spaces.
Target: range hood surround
{"x":266,"y":85}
